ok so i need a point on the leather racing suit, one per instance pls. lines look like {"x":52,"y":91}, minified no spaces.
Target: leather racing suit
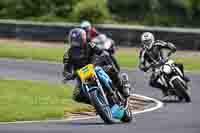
{"x":157,"y":53}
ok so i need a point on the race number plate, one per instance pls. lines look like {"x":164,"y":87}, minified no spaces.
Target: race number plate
{"x":86,"y":72}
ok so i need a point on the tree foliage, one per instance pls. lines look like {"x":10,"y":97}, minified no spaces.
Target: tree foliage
{"x":151,"y":12}
{"x":158,"y":12}
{"x":95,"y":11}
{"x":20,"y":9}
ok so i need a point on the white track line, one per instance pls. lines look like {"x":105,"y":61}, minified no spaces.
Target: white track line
{"x":159,"y":105}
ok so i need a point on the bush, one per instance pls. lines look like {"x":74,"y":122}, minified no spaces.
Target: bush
{"x":151,"y":12}
{"x":62,"y":8}
{"x":92,"y":10}
{"x":22,"y":9}
{"x":158,"y":12}
{"x":133,"y":9}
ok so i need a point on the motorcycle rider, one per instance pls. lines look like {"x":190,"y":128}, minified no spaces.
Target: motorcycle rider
{"x":154,"y":52}
{"x":91,"y":32}
{"x":80,"y":54}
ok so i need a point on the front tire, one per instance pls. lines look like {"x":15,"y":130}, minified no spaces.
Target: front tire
{"x":100,"y":105}
{"x":181,"y":90}
{"x":128,"y":116}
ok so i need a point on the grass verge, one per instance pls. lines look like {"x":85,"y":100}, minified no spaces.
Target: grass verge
{"x":33,"y":100}
{"x":127,"y":57}
{"x":15,"y":51}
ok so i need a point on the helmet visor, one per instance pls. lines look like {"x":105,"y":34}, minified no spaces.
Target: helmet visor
{"x":147,"y":43}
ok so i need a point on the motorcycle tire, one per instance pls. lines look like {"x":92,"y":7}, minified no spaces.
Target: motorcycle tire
{"x":102,"y":109}
{"x":128,"y":116}
{"x":181,"y":91}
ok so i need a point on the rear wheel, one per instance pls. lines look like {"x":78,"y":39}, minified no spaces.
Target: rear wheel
{"x":100,"y":105}
{"x":181,"y":90}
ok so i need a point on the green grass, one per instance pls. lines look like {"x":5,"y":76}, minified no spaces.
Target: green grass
{"x":127,"y":57}
{"x":190,"y":63}
{"x":28,"y":100}
{"x":13,"y":51}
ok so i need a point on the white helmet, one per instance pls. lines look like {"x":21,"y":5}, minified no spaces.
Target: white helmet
{"x":147,"y":39}
{"x":85,"y":25}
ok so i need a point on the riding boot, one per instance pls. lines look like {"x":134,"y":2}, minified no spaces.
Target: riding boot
{"x":124,"y":86}
{"x":121,"y":82}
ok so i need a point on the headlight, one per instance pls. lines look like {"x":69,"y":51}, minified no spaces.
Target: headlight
{"x":167,"y":69}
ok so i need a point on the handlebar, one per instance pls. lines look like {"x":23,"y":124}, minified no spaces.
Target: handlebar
{"x":157,"y":64}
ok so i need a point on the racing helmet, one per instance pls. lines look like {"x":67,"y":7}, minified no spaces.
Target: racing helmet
{"x":85,"y":25}
{"x":147,"y":39}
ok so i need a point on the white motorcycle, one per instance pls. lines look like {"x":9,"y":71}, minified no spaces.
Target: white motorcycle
{"x":172,"y":78}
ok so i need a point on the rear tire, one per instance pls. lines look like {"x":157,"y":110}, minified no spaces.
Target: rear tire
{"x":181,"y":90}
{"x":102,"y":109}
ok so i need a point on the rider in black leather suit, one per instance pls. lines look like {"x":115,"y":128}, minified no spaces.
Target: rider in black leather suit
{"x":82,"y":53}
{"x":154,"y":52}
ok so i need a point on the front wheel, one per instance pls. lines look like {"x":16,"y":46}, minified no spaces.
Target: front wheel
{"x":102,"y":109}
{"x":181,"y":90}
{"x":128,"y":116}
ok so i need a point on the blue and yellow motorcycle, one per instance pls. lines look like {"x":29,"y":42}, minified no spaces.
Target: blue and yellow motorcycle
{"x":105,"y":98}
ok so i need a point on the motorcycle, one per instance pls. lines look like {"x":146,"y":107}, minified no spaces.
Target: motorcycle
{"x":172,"y":78}
{"x":105,"y":98}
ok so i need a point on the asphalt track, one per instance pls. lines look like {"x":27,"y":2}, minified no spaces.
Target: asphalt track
{"x":172,"y":118}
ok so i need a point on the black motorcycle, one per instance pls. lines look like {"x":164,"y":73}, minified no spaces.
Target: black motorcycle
{"x":172,"y":78}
